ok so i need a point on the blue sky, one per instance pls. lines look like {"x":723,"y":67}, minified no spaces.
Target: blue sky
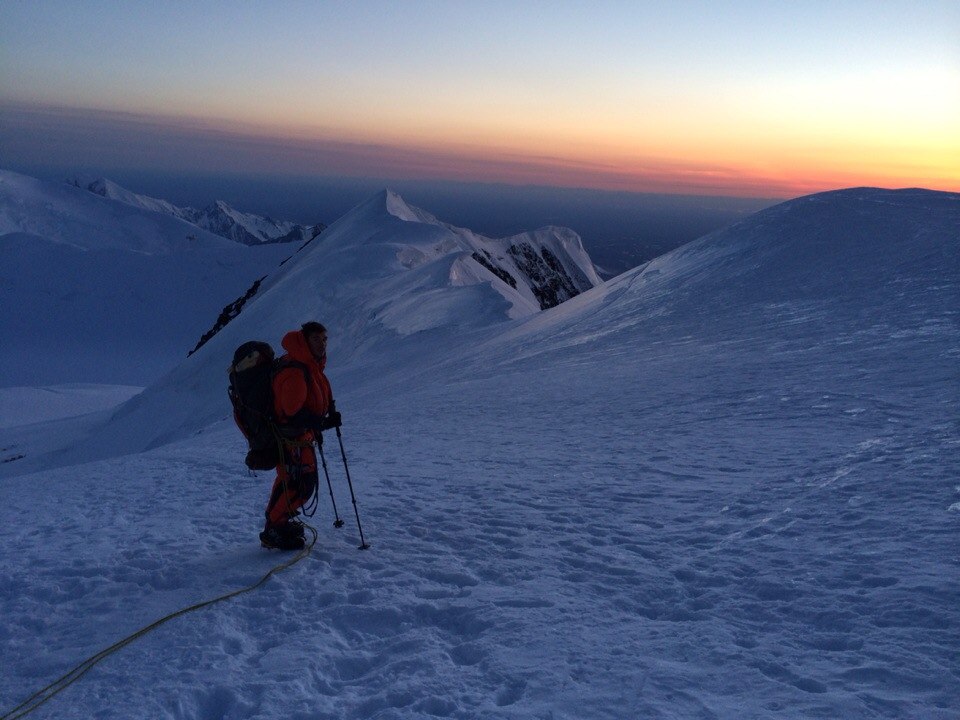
{"x":692,"y":97}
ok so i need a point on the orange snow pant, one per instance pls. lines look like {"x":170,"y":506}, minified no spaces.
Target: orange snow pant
{"x":295,"y":484}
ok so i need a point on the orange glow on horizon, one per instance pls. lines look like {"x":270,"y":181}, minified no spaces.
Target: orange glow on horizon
{"x":670,"y":157}
{"x":734,"y":147}
{"x":728,"y":99}
{"x":685,"y":158}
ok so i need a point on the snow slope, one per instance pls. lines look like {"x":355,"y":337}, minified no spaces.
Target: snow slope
{"x":29,"y":405}
{"x":63,"y":214}
{"x":722,"y":486}
{"x":97,"y":291}
{"x":391,"y":282}
{"x":218,"y":218}
{"x":109,"y":189}
{"x":247,"y":228}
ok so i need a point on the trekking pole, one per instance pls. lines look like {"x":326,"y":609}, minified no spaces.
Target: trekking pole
{"x":338,"y":523}
{"x":343,"y":454}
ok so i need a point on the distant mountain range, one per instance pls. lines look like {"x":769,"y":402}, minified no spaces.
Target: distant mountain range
{"x":139,"y":284}
{"x":413,"y":272}
{"x":94,"y":288}
{"x":218,"y":218}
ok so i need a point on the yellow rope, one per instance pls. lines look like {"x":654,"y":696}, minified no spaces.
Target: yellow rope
{"x":41,"y":696}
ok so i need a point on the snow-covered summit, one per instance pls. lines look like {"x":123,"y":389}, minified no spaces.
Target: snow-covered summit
{"x":107,"y":188}
{"x":218,"y":218}
{"x":98,"y":290}
{"x":248,"y":228}
{"x":532,"y":271}
{"x":398,"y":207}
{"x":829,"y":257}
{"x":63,"y":214}
{"x":385,"y":285}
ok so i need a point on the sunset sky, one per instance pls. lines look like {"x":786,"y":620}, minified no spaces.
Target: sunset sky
{"x":766,"y":99}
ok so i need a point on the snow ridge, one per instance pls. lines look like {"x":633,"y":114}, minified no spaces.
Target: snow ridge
{"x":218,"y":218}
{"x":535,"y":270}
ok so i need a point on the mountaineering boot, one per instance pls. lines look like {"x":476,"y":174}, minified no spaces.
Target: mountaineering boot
{"x":293,"y":528}
{"x":275,"y":538}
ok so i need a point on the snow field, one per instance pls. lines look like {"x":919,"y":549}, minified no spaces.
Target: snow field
{"x":771,"y":549}
{"x":26,"y":405}
{"x":720,"y":487}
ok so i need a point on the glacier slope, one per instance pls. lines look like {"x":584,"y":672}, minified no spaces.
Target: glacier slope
{"x":722,"y":486}
{"x":398,"y":289}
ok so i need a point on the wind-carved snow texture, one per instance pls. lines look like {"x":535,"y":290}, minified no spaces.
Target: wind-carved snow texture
{"x":715,"y":487}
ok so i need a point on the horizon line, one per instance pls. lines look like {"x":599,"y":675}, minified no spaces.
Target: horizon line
{"x":46,"y":134}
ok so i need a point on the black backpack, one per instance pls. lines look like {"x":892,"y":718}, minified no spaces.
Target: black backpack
{"x":251,"y":394}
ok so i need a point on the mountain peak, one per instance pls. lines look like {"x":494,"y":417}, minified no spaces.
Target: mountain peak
{"x":398,"y":207}
{"x":218,"y":217}
{"x":100,"y":186}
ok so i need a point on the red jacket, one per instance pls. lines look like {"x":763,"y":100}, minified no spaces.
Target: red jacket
{"x":292,"y":392}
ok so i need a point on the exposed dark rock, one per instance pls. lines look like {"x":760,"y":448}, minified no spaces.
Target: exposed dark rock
{"x":317,"y":229}
{"x":299,"y":234}
{"x":549,"y":281}
{"x":490,"y":265}
{"x":228,"y":314}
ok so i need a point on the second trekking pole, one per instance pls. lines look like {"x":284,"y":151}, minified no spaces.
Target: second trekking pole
{"x":338,"y":523}
{"x":343,"y":454}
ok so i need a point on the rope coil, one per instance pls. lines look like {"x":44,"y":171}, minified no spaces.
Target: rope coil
{"x":62,"y":683}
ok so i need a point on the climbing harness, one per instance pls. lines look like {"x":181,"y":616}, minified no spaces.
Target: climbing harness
{"x":289,"y":448}
{"x":59,"y":685}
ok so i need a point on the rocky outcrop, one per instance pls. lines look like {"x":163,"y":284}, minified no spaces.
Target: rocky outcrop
{"x":228,"y":314}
